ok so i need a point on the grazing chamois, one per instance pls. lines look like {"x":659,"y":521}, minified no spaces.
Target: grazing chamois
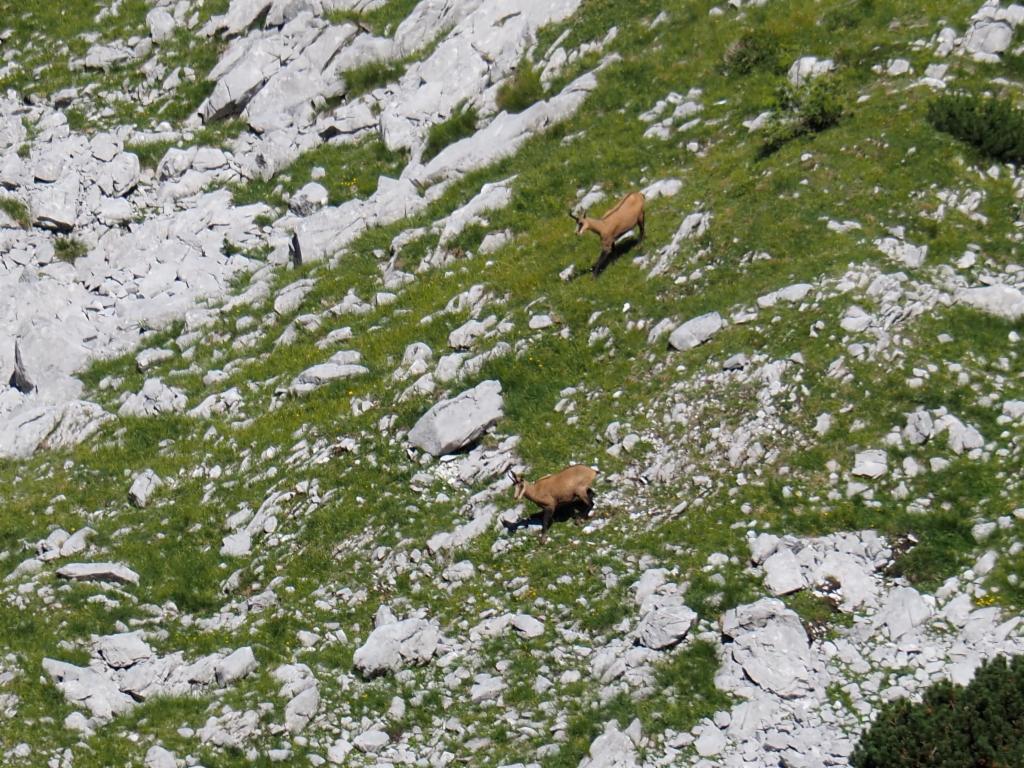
{"x":627,"y":214}
{"x":570,"y":486}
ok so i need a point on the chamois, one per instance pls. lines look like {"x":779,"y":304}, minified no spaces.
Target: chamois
{"x":569,"y":486}
{"x":627,"y":214}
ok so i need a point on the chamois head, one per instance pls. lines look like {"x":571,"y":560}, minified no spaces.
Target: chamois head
{"x":581,"y":222}
{"x":518,"y":485}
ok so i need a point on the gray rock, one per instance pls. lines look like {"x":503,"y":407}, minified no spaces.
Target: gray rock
{"x":920,"y":427}
{"x":872,"y":463}
{"x":527,"y":626}
{"x":161,"y":25}
{"x":143,"y":486}
{"x":710,"y":742}
{"x":310,"y":198}
{"x":372,"y":741}
{"x":227,"y":402}
{"x":123,"y":650}
{"x":238,"y":544}
{"x":770,"y":644}
{"x":782,"y":573}
{"x":962,"y":438}
{"x":695,"y":332}
{"x":87,"y":687}
{"x":665,"y":626}
{"x":392,"y":646}
{"x":792,"y":294}
{"x":115,"y":572}
{"x":154,"y":398}
{"x":903,"y":611}
{"x":988,"y":37}
{"x":999,"y":300}
{"x":807,"y":68}
{"x":292,"y":295}
{"x":453,"y":424}
{"x":301,"y":709}
{"x":612,"y":749}
{"x":237,"y":665}
{"x":341,"y":365}
{"x":903,"y":252}
{"x":467,"y":334}
{"x":76,"y":542}
{"x":150,"y":357}
{"x":158,"y":757}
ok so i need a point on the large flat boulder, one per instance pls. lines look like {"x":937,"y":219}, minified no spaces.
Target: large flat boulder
{"x":453,"y":424}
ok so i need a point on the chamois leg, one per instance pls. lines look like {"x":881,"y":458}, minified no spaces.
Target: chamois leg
{"x":602,"y":262}
{"x":549,"y":513}
{"x":640,"y":224}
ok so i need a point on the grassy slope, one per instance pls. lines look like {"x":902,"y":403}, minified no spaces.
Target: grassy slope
{"x":859,"y":170}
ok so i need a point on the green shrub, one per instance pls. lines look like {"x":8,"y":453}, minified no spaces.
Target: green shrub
{"x":800,"y":110}
{"x":69,"y":248}
{"x":755,"y":49}
{"x":521,"y":91}
{"x":17,"y":210}
{"x":461,"y":124}
{"x":980,"y":725}
{"x":993,"y":125}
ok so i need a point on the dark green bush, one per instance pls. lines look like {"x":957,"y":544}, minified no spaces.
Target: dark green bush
{"x":521,"y":91}
{"x":755,"y":49}
{"x":980,"y":725}
{"x":461,"y":124}
{"x":801,"y":110}
{"x":993,"y":125}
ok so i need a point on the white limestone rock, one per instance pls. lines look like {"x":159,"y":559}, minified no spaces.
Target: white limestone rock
{"x":695,"y":332}
{"x":237,"y":665}
{"x":452,"y":424}
{"x":1000,"y":300}
{"x":143,"y":486}
{"x":113,"y":572}
{"x":392,"y":646}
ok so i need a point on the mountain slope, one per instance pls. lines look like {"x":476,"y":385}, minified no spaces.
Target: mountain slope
{"x":847,"y":437}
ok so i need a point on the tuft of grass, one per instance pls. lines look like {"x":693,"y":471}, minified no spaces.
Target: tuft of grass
{"x":521,"y":91}
{"x":150,"y":153}
{"x":461,"y":124}
{"x":69,"y":249}
{"x":17,"y":210}
{"x":373,"y":75}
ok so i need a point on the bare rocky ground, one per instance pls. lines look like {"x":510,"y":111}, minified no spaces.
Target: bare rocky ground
{"x":731,"y":603}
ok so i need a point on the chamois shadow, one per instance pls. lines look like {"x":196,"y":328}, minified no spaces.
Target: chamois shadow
{"x":621,"y":246}
{"x":574,"y":510}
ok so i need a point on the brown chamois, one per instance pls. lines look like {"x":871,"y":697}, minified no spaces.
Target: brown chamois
{"x":627,"y":214}
{"x":569,"y":486}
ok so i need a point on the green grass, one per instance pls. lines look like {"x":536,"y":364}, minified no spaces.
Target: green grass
{"x":520,"y":91}
{"x":372,"y":75}
{"x":461,"y":124}
{"x":350,"y":171}
{"x":17,"y":210}
{"x":69,"y":249}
